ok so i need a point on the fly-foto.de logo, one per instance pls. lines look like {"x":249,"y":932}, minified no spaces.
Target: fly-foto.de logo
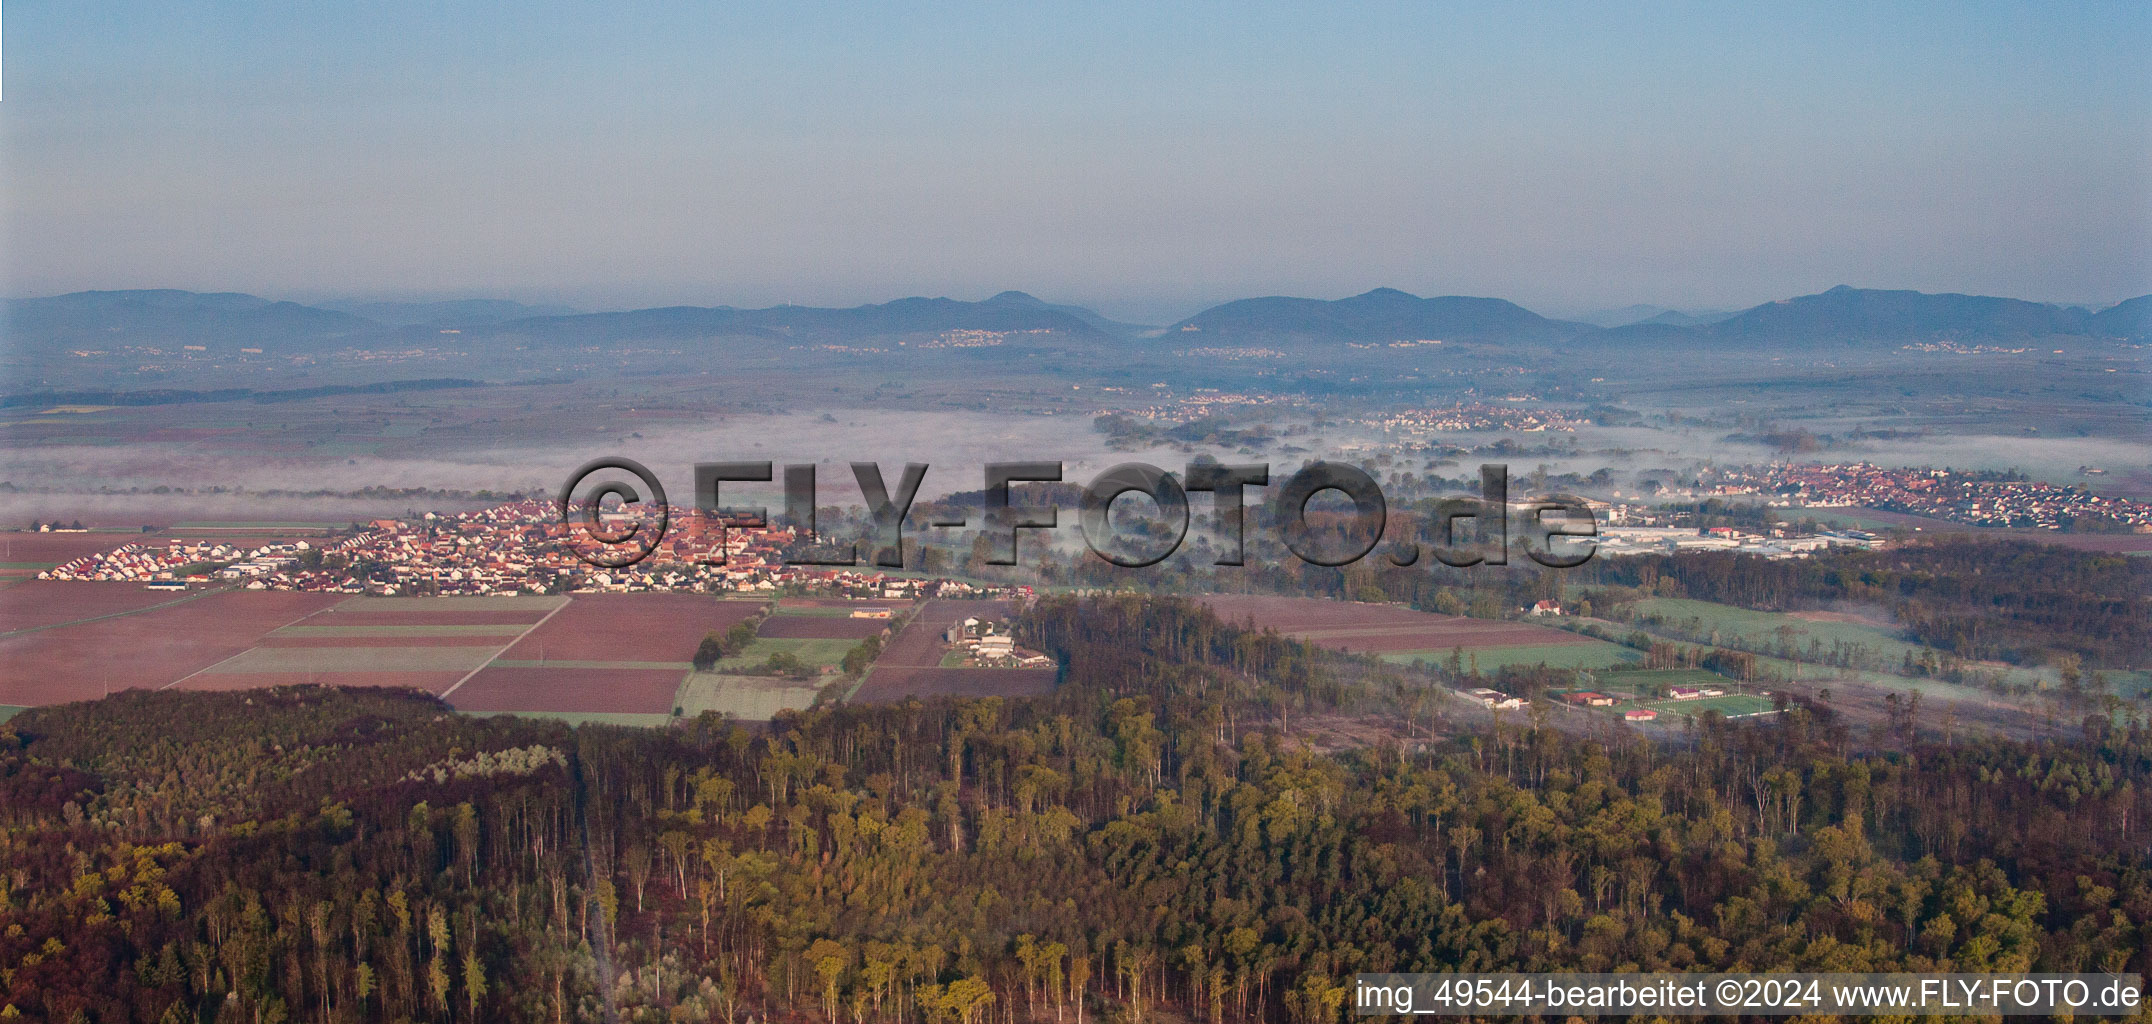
{"x":616,"y":512}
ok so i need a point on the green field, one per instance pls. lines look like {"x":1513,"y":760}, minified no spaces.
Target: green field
{"x":747,"y":698}
{"x":1652,"y":683}
{"x":816,"y":651}
{"x":1759,"y":631}
{"x":1733,"y":705}
{"x":8,"y":711}
{"x":1595,"y":655}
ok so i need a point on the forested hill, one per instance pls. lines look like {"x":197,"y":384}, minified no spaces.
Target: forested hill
{"x":1142,"y":839}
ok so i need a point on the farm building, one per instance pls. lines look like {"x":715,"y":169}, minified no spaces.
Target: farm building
{"x":1639,"y":715}
{"x":1589,"y":699}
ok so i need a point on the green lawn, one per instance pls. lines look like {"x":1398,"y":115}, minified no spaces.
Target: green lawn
{"x":1656,"y":680}
{"x":8,"y":711}
{"x":1733,"y":705}
{"x":1595,"y":655}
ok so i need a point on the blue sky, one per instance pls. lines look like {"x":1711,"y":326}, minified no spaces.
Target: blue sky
{"x":1144,"y":159}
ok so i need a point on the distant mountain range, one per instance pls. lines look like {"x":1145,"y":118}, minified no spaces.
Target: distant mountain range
{"x":452,"y":313}
{"x":171,"y":317}
{"x":1643,"y":314}
{"x":1842,"y":315}
{"x":1382,"y":315}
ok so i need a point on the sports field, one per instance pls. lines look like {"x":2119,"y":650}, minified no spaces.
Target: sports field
{"x":1733,"y":705}
{"x":824,"y":627}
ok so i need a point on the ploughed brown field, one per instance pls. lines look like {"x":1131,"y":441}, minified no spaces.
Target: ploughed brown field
{"x":63,"y":547}
{"x":607,"y":690}
{"x":1378,"y":628}
{"x":894,"y":604}
{"x":630,"y":627}
{"x":106,"y":637}
{"x":35,"y":603}
{"x":151,"y":649}
{"x":911,"y":665}
{"x":380,"y":641}
{"x":506,"y":617}
{"x":819,"y":627}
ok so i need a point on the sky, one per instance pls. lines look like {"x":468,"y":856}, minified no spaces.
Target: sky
{"x":1145,"y":159}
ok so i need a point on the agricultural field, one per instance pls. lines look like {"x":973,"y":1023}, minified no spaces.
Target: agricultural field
{"x":1593,"y":654}
{"x":84,"y":643}
{"x":1762,"y":630}
{"x":911,"y":666}
{"x":8,"y":711}
{"x":602,"y":654}
{"x":787,"y":626}
{"x":838,"y":607}
{"x":431,"y":643}
{"x":630,"y":627}
{"x":746,"y":698}
{"x":599,"y":654}
{"x":554,"y":688}
{"x":40,"y":604}
{"x":639,"y":721}
{"x":1770,"y":632}
{"x":1402,"y":636}
{"x":1380,"y":628}
{"x":24,"y":554}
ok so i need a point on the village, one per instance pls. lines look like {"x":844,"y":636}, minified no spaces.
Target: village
{"x":1976,"y":499}
{"x":515,"y":548}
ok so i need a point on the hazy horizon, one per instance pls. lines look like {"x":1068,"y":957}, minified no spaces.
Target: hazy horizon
{"x":1145,"y":163}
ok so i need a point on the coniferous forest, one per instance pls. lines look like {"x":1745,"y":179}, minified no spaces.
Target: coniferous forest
{"x":1156,"y":840}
